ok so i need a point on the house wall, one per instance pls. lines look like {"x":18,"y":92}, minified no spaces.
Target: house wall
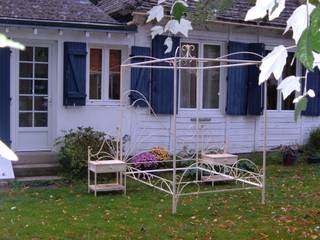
{"x":103,"y":116}
{"x":235,"y":133}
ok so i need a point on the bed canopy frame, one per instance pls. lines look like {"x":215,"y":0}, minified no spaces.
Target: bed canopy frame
{"x":174,"y":180}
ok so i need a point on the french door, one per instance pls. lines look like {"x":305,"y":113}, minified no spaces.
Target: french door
{"x":33,"y":95}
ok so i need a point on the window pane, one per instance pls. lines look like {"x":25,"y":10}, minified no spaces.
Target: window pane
{"x":211,"y":78}
{"x":27,"y":54}
{"x":114,"y":74}
{"x":289,"y":69}
{"x":26,"y":70}
{"x":25,"y":86}
{"x":25,"y":120}
{"x":188,"y":80}
{"x":41,"y":54}
{"x":40,"y":119}
{"x":41,"y":87}
{"x":272,"y":96}
{"x":41,"y":70}
{"x":115,"y":60}
{"x":95,"y":73}
{"x":272,"y":84}
{"x":114,"y":86}
{"x":40,"y":103}
{"x":25,"y":103}
{"x":288,"y":103}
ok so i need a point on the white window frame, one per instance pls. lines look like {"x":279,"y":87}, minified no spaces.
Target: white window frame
{"x":105,"y":100}
{"x":279,"y":95}
{"x":199,"y":100}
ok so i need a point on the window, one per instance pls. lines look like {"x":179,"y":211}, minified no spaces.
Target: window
{"x":95,"y":73}
{"x":114,"y":74}
{"x":275,"y":98}
{"x":209,"y":78}
{"x":272,"y":84}
{"x":289,"y":69}
{"x":33,"y":87}
{"x":104,"y":74}
{"x":188,"y":80}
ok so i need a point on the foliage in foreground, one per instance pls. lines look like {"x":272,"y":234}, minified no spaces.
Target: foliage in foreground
{"x":66,"y":211}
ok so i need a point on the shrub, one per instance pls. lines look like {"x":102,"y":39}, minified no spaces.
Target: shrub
{"x":73,"y":148}
{"x":312,"y":148}
{"x":145,"y":160}
{"x":161,"y":153}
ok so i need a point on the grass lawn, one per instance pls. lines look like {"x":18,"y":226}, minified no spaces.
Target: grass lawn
{"x":66,"y":211}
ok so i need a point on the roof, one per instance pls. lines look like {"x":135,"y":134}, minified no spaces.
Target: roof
{"x":239,"y":9}
{"x":115,"y":6}
{"x":235,"y":13}
{"x":54,"y":12}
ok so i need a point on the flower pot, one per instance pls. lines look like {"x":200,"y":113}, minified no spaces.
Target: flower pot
{"x":289,"y":159}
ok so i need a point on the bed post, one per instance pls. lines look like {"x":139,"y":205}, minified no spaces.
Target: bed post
{"x":263,"y":192}
{"x":119,"y":151}
{"x":174,"y":180}
{"x":197,"y":118}
{"x":120,"y":130}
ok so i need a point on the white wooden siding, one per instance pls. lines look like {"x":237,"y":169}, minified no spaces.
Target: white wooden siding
{"x":237,"y":134}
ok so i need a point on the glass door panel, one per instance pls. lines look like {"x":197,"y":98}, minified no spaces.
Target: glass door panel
{"x":33,"y":87}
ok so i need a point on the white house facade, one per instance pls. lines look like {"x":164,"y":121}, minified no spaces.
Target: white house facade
{"x":69,"y":76}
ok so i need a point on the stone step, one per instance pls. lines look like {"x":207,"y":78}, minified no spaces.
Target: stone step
{"x":38,"y":178}
{"x":36,"y":158}
{"x":34,"y":170}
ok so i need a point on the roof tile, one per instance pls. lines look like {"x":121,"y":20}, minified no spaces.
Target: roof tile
{"x":235,"y":13}
{"x":54,"y":10}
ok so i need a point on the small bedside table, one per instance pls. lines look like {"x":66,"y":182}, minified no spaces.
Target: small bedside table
{"x":218,"y":160}
{"x":107,"y":166}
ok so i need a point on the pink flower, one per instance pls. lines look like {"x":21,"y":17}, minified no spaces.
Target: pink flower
{"x":145,"y":160}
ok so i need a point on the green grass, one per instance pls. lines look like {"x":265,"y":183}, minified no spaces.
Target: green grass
{"x":66,"y":211}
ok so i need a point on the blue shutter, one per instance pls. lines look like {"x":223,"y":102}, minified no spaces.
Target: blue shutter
{"x":162,"y":79}
{"x":5,"y":95}
{"x":237,"y":82}
{"x":313,"y":107}
{"x":74,"y":74}
{"x":255,"y":98}
{"x":140,"y":77}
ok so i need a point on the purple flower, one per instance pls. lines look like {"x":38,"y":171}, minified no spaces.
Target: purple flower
{"x":145,"y":160}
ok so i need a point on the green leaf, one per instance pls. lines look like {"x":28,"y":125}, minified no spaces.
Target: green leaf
{"x":301,"y":106}
{"x":179,"y":8}
{"x":314,"y":28}
{"x":304,"y":51}
{"x":314,"y":2}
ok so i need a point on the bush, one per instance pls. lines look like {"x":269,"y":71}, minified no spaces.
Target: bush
{"x":314,"y":139}
{"x":73,"y":148}
{"x":312,"y":148}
